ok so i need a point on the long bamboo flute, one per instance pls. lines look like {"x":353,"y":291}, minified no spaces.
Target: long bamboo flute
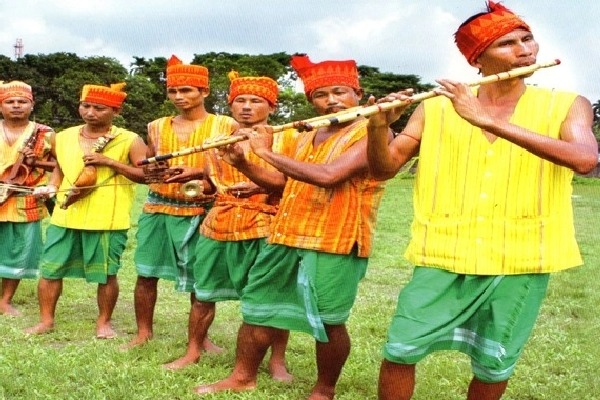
{"x":208,"y":144}
{"x":350,"y":114}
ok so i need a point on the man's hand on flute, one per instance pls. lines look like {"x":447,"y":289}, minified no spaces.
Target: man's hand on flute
{"x":261,"y":139}
{"x":388,"y":116}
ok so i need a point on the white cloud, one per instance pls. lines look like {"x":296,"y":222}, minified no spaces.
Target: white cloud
{"x":407,"y":37}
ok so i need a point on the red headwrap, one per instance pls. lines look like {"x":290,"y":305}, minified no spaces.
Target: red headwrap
{"x":260,"y":86}
{"x":179,"y":74}
{"x":15,"y":89}
{"x":110,"y":96}
{"x":325,"y":73}
{"x":473,"y":37}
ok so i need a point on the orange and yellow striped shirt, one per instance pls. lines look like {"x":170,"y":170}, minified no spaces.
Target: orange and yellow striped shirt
{"x":19,"y":207}
{"x":492,"y":208}
{"x":167,"y":198}
{"x":232,"y":218}
{"x":331,"y":220}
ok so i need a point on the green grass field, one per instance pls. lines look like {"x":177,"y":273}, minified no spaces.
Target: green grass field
{"x":560,"y":361}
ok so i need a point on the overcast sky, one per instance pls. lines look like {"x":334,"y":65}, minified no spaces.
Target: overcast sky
{"x":399,"y":36}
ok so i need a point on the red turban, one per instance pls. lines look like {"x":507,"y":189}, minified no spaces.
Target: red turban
{"x":15,"y":89}
{"x":325,"y":73}
{"x":179,"y":74}
{"x":260,"y":86}
{"x":112,"y":96}
{"x":474,"y":36}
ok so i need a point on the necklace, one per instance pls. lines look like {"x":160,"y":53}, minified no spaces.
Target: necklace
{"x":91,"y":144}
{"x":84,"y":135}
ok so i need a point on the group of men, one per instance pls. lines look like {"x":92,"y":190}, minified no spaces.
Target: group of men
{"x":285,"y":222}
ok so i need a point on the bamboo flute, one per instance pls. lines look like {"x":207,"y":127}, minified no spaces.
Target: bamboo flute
{"x":350,"y":114}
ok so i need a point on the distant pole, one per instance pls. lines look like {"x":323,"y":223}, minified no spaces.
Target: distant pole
{"x":18,"y":49}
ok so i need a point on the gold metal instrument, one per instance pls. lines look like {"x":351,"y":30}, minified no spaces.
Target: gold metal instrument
{"x":192,"y":188}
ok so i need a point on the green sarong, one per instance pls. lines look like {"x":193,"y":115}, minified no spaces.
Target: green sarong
{"x":223,"y":272}
{"x":489,"y":318}
{"x":301,"y":290}
{"x":166,"y":248}
{"x":20,"y":250}
{"x":75,"y":253}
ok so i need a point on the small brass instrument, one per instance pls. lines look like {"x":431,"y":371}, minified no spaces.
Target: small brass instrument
{"x":192,"y":188}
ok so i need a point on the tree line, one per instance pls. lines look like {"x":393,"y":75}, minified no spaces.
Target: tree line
{"x":57,"y":79}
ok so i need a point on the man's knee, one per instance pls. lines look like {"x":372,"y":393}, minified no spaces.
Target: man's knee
{"x":203,"y":307}
{"x":146,"y":282}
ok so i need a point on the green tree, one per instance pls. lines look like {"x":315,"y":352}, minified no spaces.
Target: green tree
{"x":143,"y":104}
{"x":596,"y":127}
{"x":379,"y":84}
{"x":154,"y":69}
{"x":291,"y":106}
{"x":220,"y":64}
{"x":12,"y":70}
{"x":57,"y":80}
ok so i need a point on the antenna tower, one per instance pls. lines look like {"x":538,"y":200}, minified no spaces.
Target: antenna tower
{"x":18,"y":49}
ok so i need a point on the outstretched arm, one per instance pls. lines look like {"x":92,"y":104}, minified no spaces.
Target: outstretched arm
{"x":386,"y":158}
{"x":353,"y":162}
{"x":576,"y":148}
{"x":267,"y":179}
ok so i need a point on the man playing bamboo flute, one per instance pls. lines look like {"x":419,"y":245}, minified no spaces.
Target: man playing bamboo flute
{"x":88,"y":232}
{"x":25,"y":149}
{"x":235,"y":229}
{"x":492,"y":206}
{"x":170,"y":220}
{"x":306,"y":278}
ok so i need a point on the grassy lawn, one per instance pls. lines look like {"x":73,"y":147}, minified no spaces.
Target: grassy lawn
{"x":560,"y":361}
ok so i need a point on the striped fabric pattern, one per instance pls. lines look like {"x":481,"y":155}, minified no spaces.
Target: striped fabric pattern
{"x":19,"y":207}
{"x":331,"y":220}
{"x":232,"y":218}
{"x":491,"y":208}
{"x":21,"y":249}
{"x":162,"y":135}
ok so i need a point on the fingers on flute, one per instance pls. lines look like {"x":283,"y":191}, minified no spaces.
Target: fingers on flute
{"x":264,"y":129}
{"x":403,"y":95}
{"x":303,"y":126}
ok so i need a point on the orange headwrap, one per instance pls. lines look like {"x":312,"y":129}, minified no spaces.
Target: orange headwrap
{"x":15,"y":89}
{"x":179,"y":74}
{"x":261,"y":86}
{"x":474,"y":36}
{"x":325,"y":73}
{"x":112,"y":96}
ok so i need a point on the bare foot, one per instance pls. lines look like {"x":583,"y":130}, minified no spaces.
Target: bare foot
{"x":138,"y":340}
{"x":279,"y":372}
{"x":105,"y":332}
{"x":182,"y":362}
{"x":227,"y":384}
{"x":321,"y":394}
{"x":8,"y":309}
{"x":40,"y":329}
{"x":210,"y":347}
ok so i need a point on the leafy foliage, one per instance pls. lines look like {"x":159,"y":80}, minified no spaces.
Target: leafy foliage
{"x":379,"y":84}
{"x":596,"y":109}
{"x":57,"y":79}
